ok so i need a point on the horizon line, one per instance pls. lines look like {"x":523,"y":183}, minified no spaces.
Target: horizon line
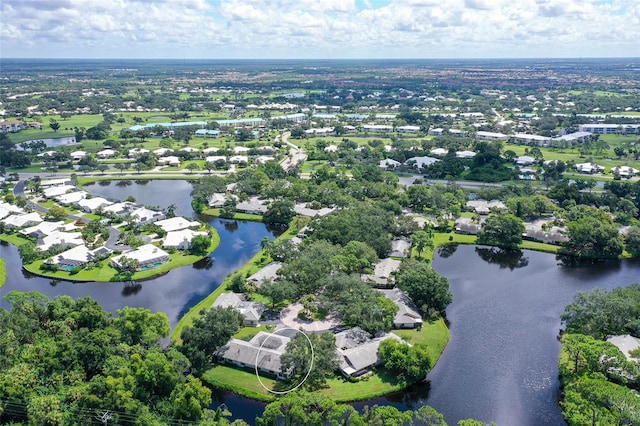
{"x":329,"y":59}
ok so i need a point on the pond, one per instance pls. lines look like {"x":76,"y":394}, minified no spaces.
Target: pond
{"x":501,"y":363}
{"x":173,"y":293}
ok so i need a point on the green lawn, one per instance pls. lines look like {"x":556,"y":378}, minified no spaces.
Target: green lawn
{"x":35,"y":134}
{"x":106,"y":273}
{"x":245,"y":382}
{"x":237,"y":216}
{"x":3,"y":272}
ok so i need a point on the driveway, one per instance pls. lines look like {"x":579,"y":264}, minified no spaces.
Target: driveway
{"x":290,"y":318}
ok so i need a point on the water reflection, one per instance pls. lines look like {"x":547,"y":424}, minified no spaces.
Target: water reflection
{"x":447,"y":250}
{"x":231,"y":225}
{"x":504,"y":258}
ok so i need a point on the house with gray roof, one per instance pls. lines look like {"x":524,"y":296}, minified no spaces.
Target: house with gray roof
{"x":383,"y":272}
{"x":400,"y":247}
{"x":251,"y":311}
{"x":358,"y":351}
{"x":465,"y":225}
{"x":484,"y":206}
{"x":626,"y":344}
{"x":267,"y":273}
{"x":407,"y":315}
{"x":253,"y":205}
{"x":263,"y":351}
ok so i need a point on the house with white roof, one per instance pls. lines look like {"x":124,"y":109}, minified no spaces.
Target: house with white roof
{"x":331,"y":148}
{"x":170,"y":160}
{"x":490,"y":136}
{"x":55,"y":182}
{"x":465,"y":154}
{"x":261,"y":159}
{"x":319,"y":132}
{"x":134,"y":152}
{"x":214,"y":158}
{"x":624,"y":171}
{"x":400,"y":247}
{"x":377,"y":128}
{"x":54,"y":191}
{"x":162,"y":151}
{"x":241,"y":149}
{"x":239,"y":159}
{"x":251,"y":311}
{"x":90,"y":205}
{"x":303,"y":210}
{"x":438,"y":151}
{"x":71,"y":198}
{"x":408,"y":129}
{"x":589,"y":168}
{"x":439,"y":131}
{"x":148,"y":256}
{"x":525,"y":160}
{"x":177,"y":223}
{"x":484,"y":207}
{"x":459,"y":133}
{"x":189,"y":149}
{"x":420,"y":162}
{"x":389,"y":163}
{"x":78,"y":155}
{"x":210,"y":150}
{"x":42,"y":229}
{"x":78,"y":257}
{"x":60,"y":238}
{"x":22,"y":220}
{"x":533,"y":140}
{"x":144,"y":215}
{"x":7,"y":209}
{"x":181,"y":239}
{"x":106,"y":153}
{"x":119,"y":209}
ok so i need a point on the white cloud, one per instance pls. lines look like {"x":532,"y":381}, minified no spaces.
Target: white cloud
{"x":307,"y":28}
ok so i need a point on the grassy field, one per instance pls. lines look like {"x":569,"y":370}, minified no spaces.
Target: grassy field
{"x":35,"y":134}
{"x":237,"y":216}
{"x":3,"y":272}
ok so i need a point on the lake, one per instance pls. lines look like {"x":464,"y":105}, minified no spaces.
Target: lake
{"x":177,"y":291}
{"x":500,"y":364}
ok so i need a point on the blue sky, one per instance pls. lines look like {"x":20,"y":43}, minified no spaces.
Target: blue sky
{"x":319,"y":28}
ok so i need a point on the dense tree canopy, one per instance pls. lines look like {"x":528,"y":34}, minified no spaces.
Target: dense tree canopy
{"x":64,"y":360}
{"x":600,"y":313}
{"x":363,"y":223}
{"x":428,"y":289}
{"x":502,"y":230}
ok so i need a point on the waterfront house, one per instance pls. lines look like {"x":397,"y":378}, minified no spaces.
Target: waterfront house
{"x":148,"y":257}
{"x":263,"y":352}
{"x":250,"y":311}
{"x":267,"y":273}
{"x":180,"y":239}
{"x":407,"y":315}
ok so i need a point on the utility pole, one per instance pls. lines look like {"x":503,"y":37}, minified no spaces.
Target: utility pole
{"x":104,"y":417}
